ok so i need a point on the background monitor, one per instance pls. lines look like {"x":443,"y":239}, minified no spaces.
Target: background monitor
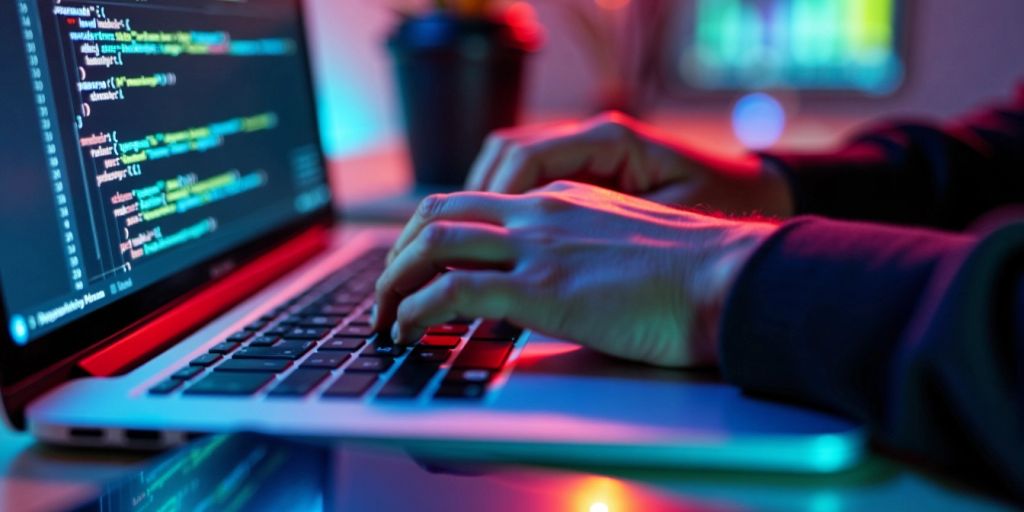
{"x":809,"y":45}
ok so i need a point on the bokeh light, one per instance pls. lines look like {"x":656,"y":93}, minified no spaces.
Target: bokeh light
{"x":758,"y":121}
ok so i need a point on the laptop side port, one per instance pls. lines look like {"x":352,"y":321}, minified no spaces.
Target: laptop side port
{"x":83,"y":433}
{"x":144,"y":436}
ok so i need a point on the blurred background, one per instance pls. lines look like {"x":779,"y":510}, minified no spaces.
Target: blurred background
{"x":827,"y":66}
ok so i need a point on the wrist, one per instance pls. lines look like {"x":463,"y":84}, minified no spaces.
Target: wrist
{"x":777,"y":194}
{"x":715,"y":279}
{"x":746,"y":185}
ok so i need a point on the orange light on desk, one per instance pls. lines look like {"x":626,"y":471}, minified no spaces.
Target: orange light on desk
{"x":599,"y":494}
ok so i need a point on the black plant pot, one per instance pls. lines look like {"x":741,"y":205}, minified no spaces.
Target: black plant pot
{"x":458,"y":79}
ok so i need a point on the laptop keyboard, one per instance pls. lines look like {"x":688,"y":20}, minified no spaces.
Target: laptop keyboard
{"x":321,"y":344}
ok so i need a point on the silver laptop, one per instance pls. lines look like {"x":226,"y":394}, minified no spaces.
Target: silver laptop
{"x":171,"y":267}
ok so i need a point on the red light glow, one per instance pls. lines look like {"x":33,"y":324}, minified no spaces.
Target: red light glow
{"x":612,"y":5}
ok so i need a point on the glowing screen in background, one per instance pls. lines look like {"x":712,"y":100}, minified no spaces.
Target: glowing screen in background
{"x":793,"y":44}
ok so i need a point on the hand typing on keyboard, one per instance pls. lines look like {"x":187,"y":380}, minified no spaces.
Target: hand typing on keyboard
{"x":623,"y":275}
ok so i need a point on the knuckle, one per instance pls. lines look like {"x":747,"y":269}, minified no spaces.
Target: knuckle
{"x":545,"y":238}
{"x":547,"y":279}
{"x":612,"y":118}
{"x":560,"y":185}
{"x":434,"y":235}
{"x":451,"y":288}
{"x":519,"y":155}
{"x":547,"y":202}
{"x":614,"y":125}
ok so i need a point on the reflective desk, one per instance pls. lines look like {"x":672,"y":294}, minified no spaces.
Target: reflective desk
{"x":248,"y":472}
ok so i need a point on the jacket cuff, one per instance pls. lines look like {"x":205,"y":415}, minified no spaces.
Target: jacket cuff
{"x":814,"y":315}
{"x":839,"y":184}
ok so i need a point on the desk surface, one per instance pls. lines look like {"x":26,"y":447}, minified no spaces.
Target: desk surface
{"x":373,"y":478}
{"x":33,"y":477}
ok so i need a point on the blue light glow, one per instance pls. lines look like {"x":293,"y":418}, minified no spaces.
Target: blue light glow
{"x":19,"y":330}
{"x":758,"y":121}
{"x":350,"y":121}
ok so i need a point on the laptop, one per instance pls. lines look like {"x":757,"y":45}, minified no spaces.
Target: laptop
{"x":172,"y":267}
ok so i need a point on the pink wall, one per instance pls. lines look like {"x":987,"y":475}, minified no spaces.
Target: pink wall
{"x":963,"y":53}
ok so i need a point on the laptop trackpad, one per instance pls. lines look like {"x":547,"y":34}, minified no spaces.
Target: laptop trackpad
{"x":552,"y":357}
{"x":560,"y":377}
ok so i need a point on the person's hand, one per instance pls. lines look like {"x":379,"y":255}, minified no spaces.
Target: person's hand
{"x":620,"y":274}
{"x":617,"y":152}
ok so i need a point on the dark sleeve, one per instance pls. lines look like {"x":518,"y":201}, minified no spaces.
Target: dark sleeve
{"x":919,"y":334}
{"x":916,"y":173}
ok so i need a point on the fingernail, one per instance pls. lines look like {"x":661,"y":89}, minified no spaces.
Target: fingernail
{"x":373,"y":314}
{"x":395,"y":332}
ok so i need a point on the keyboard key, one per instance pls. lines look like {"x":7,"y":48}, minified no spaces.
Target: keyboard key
{"x":254,"y":365}
{"x":331,"y":310}
{"x":320,"y":321}
{"x":329,"y":360}
{"x":408,"y":381}
{"x":187,"y":372}
{"x":387,"y":349}
{"x":467,"y":390}
{"x":300,"y":382}
{"x":224,"y":348}
{"x":165,"y":387}
{"x":364,"y":318}
{"x":236,"y":384}
{"x":468,"y":375}
{"x":240,"y":336}
{"x":488,"y":355}
{"x":448,"y":329}
{"x":431,"y":355}
{"x":433,"y":340}
{"x":278,"y":331}
{"x":370,"y":364}
{"x":356,"y":330}
{"x":343,"y":344}
{"x":347,"y":299}
{"x":496,"y":330}
{"x":264,"y":341}
{"x":301,"y":345}
{"x":305,"y":333}
{"x":205,"y":360}
{"x":257,"y":325}
{"x":351,"y":385}
{"x":285,"y":350}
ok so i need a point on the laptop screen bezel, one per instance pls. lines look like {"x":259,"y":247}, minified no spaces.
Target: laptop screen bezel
{"x":82,"y":336}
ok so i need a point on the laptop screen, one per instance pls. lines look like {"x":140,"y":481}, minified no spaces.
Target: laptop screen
{"x":140,"y":138}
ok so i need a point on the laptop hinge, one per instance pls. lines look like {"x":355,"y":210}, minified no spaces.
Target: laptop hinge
{"x":136,"y":346}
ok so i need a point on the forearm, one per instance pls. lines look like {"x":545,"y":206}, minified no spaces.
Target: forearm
{"x":893,"y":327}
{"x":915,"y":173}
